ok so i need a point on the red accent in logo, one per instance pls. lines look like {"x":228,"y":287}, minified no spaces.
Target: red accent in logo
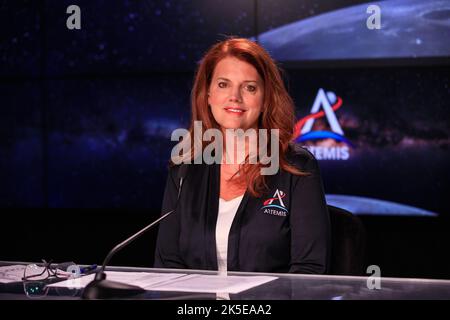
{"x":268,"y":201}
{"x":299,"y":125}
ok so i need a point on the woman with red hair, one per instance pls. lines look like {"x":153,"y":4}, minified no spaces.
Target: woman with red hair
{"x":231,"y":215}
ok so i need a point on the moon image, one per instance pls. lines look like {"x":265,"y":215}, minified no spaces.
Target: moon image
{"x":370,"y":206}
{"x":408,"y":29}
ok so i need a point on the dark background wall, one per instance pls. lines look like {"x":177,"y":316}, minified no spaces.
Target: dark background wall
{"x":86,"y":117}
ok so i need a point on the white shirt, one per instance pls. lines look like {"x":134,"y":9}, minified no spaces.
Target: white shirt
{"x":225,"y":217}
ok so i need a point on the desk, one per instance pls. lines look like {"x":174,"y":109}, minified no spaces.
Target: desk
{"x":286,"y":287}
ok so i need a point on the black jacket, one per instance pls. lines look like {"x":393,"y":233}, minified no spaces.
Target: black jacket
{"x":291,"y":235}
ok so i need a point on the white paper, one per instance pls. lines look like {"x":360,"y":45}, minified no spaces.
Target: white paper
{"x":213,"y":283}
{"x":176,"y":282}
{"x":141,"y":279}
{"x":12,"y":273}
{"x":15,"y":273}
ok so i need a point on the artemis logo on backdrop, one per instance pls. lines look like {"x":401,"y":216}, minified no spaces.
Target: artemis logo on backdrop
{"x":324,"y":143}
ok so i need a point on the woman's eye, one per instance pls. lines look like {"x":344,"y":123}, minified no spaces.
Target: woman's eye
{"x":222,"y":84}
{"x":251,"y":88}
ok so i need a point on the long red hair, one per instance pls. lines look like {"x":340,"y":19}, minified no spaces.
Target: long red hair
{"x":278,"y":107}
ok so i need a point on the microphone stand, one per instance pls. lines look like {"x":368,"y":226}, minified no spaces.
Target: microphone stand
{"x":100,"y":287}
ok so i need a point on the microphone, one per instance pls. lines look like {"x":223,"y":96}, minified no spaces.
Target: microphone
{"x":100,"y":287}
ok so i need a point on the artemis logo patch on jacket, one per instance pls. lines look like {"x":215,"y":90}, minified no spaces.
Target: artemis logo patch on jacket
{"x":275,"y":205}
